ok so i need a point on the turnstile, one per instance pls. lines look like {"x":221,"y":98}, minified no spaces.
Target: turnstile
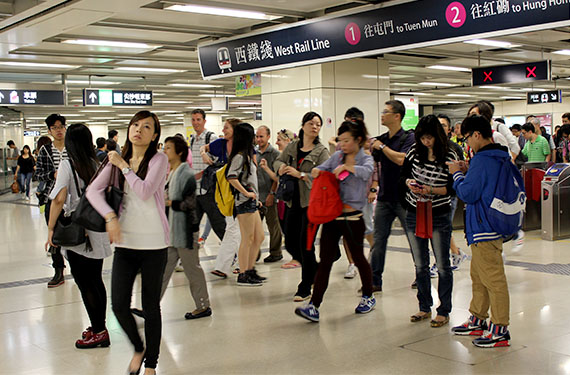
{"x":532,"y":175}
{"x":556,"y":202}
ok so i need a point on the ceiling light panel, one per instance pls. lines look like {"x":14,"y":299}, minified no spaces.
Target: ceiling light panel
{"x":21,"y":64}
{"x":449,"y":68}
{"x":227,"y":12}
{"x":110,"y":43}
{"x":150,"y":70}
{"x":491,"y":43}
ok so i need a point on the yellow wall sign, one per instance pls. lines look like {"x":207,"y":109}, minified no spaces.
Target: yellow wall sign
{"x":248,"y":85}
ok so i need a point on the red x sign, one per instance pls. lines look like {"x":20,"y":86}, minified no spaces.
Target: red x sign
{"x":530,"y":72}
{"x":488,"y":76}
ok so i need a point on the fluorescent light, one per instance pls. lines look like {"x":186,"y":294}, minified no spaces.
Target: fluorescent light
{"x":152,"y":70}
{"x":195,"y":85}
{"x":160,"y":111}
{"x":96,"y":123}
{"x":176,"y":114}
{"x":95,"y":110}
{"x":373,"y":76}
{"x":70,"y":115}
{"x":403,"y":84}
{"x":217,"y":96}
{"x":109,"y":43}
{"x":37,"y":65}
{"x":254,"y":108}
{"x":245,"y":102}
{"x":98,"y":118}
{"x":452,"y":68}
{"x":93,"y":82}
{"x":491,"y":43}
{"x":512,"y":97}
{"x":493,"y":87}
{"x":126,"y":115}
{"x":215,"y":11}
{"x":563,"y":52}
{"x":459,"y":95}
{"x":77,"y":100}
{"x":171,"y":102}
{"x":36,"y":118}
{"x":449,"y":102}
{"x":200,"y":107}
{"x":437,"y":84}
{"x":414,"y":93}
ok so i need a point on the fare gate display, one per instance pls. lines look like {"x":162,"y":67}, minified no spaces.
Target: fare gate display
{"x":381,"y":30}
{"x":31,"y":97}
{"x":515,"y":73}
{"x":96,"y":97}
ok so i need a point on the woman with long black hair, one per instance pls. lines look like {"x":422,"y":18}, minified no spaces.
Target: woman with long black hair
{"x":139,"y":231}
{"x":297,"y":160}
{"x":425,"y":177}
{"x":242,"y":175}
{"x":85,"y":260}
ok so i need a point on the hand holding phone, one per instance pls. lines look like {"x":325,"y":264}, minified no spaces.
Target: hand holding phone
{"x":416,"y":185}
{"x":343,"y":175}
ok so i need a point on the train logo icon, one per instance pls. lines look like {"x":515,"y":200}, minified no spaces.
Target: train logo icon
{"x":224,"y":61}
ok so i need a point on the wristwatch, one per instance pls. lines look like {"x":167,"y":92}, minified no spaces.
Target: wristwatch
{"x":303,"y":175}
{"x":126,"y":170}
{"x":373,"y":190}
{"x":382,"y":146}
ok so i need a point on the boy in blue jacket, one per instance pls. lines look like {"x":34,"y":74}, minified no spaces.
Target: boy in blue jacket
{"x":476,"y":189}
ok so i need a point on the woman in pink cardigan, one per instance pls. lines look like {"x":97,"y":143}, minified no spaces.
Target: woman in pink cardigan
{"x":139,"y":231}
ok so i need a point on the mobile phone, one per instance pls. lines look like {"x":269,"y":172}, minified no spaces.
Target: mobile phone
{"x":416,"y":185}
{"x":343,"y":175}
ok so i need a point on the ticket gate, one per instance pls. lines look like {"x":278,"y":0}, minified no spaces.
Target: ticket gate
{"x":532,"y":174}
{"x":556,"y":202}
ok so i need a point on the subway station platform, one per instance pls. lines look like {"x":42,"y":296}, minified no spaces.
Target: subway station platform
{"x":255,"y":331}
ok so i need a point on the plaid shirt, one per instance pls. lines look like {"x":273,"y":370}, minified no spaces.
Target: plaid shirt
{"x":47,"y":164}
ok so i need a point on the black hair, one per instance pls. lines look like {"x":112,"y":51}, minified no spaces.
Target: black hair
{"x":243,"y":144}
{"x":356,"y":128}
{"x":100,"y":142}
{"x":199,"y":111}
{"x":111,"y":144}
{"x":430,"y":125}
{"x":306,"y":118}
{"x":354,"y":113}
{"x":476,"y":123}
{"x":53,"y":118}
{"x":10,"y":143}
{"x":43,"y":141}
{"x":486,"y":109}
{"x":565,"y":129}
{"x":152,"y":148}
{"x":26,"y":147}
{"x":180,"y":147}
{"x":528,"y":127}
{"x":79,"y":147}
{"x":501,"y":120}
{"x":398,"y":107}
{"x":112,"y":133}
{"x":566,"y":115}
{"x":516,"y":127}
{"x":446,"y":118}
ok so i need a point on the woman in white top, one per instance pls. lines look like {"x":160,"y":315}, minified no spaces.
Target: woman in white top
{"x":85,"y":260}
{"x":139,"y":231}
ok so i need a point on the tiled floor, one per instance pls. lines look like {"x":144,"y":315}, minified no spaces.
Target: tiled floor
{"x":254,"y":330}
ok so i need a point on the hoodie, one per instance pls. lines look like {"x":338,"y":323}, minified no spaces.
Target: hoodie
{"x":477,"y":190}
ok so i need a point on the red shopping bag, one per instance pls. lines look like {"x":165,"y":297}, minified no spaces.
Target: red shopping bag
{"x":424,"y":223}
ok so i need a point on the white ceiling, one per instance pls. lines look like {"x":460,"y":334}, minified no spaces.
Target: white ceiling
{"x":33,"y":31}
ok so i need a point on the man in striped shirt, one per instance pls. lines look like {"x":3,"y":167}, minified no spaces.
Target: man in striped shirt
{"x":49,"y":158}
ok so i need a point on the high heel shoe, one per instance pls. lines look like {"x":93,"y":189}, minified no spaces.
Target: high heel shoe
{"x":137,"y":371}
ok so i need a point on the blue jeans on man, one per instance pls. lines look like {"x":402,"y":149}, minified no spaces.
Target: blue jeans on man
{"x":384,"y":216}
{"x":420,"y":251}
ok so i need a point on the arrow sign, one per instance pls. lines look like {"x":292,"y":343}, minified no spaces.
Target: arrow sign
{"x":93,"y":97}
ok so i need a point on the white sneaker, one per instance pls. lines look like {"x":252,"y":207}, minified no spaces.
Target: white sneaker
{"x":179,"y":267}
{"x":518,"y":242}
{"x":433,"y":271}
{"x":457,"y":259}
{"x":350,"y":272}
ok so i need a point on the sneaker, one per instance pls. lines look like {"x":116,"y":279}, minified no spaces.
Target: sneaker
{"x":457,"y":259}
{"x":201,"y":241}
{"x":179,"y":267}
{"x":366,"y":305}
{"x":518,"y":242}
{"x":472,"y":327}
{"x":350,"y":272}
{"x":309,"y":312}
{"x":272,"y":258}
{"x":495,"y":337}
{"x":433,"y":271}
{"x":300,"y":297}
{"x":244,"y":279}
{"x":254,"y":275}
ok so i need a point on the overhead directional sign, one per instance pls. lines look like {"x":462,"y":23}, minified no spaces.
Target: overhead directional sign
{"x":517,"y":73}
{"x":381,"y":30}
{"x":544,"y":97}
{"x":96,"y":97}
{"x":31,"y":97}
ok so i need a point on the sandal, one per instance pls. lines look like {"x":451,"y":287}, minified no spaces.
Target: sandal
{"x":290,"y":265}
{"x":439,"y":323}
{"x":219,"y":274}
{"x":417,"y":317}
{"x":236,"y":271}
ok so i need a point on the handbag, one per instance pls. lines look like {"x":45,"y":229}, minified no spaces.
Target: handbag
{"x":424,"y":219}
{"x":67,"y":233}
{"x":15,"y":187}
{"x":86,"y":216}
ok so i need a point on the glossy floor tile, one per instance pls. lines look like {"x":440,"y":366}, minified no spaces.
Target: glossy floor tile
{"x":254,"y":330}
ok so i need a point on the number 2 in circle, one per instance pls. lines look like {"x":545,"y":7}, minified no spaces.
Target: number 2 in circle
{"x":455,"y":14}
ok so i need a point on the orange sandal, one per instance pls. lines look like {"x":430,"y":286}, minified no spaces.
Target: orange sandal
{"x":291,"y":265}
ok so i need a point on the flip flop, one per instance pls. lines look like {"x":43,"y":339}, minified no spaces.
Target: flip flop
{"x":219,"y":274}
{"x":439,"y":323}
{"x":417,"y":317}
{"x":290,"y":265}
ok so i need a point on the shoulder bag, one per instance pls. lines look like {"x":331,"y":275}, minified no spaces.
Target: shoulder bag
{"x":67,"y":233}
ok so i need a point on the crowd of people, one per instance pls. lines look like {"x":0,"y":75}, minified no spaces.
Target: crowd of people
{"x":417,"y":176}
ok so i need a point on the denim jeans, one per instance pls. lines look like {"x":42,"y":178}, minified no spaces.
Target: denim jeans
{"x":386,"y":213}
{"x":25,"y":179}
{"x":420,"y":251}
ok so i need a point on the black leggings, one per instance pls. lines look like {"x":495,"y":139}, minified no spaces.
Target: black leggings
{"x":296,"y":243}
{"x":126,"y":264}
{"x":55,"y":251}
{"x":353,"y":233}
{"x":87,"y":275}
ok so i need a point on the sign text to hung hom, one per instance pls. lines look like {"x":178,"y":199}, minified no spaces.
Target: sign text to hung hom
{"x":410,"y":25}
{"x":514,"y":73}
{"x":96,"y":97}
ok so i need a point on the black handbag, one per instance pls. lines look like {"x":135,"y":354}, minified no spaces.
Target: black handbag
{"x":286,"y":187}
{"x":86,"y":216}
{"x":66,"y":233}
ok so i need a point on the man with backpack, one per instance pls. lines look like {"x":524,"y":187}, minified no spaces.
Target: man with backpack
{"x":49,"y":158}
{"x":494,"y":194}
{"x":390,"y":150}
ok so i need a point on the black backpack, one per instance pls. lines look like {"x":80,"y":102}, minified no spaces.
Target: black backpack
{"x":209,"y":180}
{"x":208,"y":138}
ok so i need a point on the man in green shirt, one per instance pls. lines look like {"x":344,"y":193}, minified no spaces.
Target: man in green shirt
{"x":536,"y":148}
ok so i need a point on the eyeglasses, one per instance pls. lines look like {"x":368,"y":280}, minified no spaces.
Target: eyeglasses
{"x":467,"y":137}
{"x":58,"y":127}
{"x":283,"y":133}
{"x":385,"y":112}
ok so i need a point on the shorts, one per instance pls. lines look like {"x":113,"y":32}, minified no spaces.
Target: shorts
{"x":367,"y":213}
{"x":247,"y":207}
